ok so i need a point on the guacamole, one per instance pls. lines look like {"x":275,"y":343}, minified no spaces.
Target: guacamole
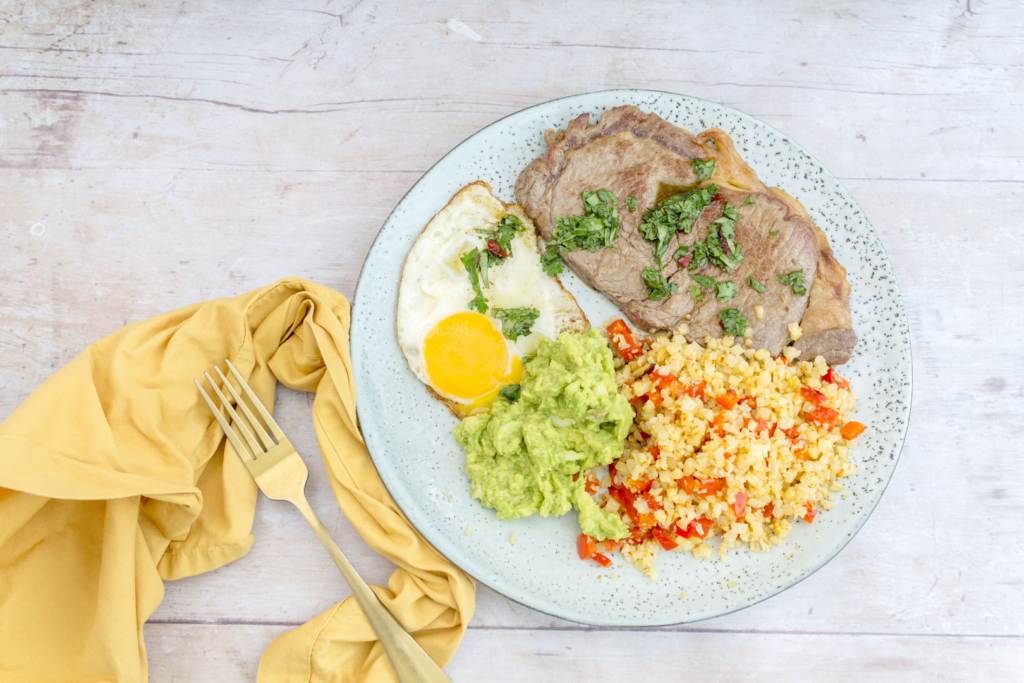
{"x":521,"y":457}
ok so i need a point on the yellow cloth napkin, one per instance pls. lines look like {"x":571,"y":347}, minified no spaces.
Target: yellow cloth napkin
{"x":114,"y":477}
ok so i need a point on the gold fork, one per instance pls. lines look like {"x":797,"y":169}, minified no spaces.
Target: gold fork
{"x":281,"y":475}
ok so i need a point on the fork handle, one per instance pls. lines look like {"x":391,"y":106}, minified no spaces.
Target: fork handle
{"x":410,"y":661}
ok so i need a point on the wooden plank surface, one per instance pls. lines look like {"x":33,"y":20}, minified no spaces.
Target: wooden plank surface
{"x":159,"y":154}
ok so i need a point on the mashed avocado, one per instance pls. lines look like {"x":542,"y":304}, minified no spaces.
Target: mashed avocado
{"x":521,"y":457}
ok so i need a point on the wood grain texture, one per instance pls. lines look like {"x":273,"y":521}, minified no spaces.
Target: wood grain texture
{"x":157,"y":154}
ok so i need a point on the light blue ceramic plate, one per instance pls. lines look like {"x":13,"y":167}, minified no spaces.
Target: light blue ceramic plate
{"x":410,"y":437}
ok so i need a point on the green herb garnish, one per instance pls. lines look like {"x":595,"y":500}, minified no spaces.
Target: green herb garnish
{"x":733,"y":323}
{"x":703,"y":281}
{"x":755,"y":284}
{"x":499,"y":238}
{"x":725,"y":290}
{"x":516,"y":322}
{"x":696,"y":293}
{"x":700,"y":256}
{"x":774,"y":232}
{"x":597,"y":227}
{"x":703,"y":169}
{"x":631,"y":203}
{"x":794,"y":280}
{"x":674,"y":214}
{"x":723,"y":251}
{"x":750,"y":200}
{"x":657,"y":286}
{"x":510,"y":392}
{"x":551,"y":261}
{"x":476,"y":263}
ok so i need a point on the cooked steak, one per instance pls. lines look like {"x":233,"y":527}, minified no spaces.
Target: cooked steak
{"x":630,"y":152}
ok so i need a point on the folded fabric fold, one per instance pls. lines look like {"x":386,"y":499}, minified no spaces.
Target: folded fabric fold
{"x":114,"y":477}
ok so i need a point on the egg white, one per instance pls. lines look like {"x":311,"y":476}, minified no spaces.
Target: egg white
{"x":435,"y":284}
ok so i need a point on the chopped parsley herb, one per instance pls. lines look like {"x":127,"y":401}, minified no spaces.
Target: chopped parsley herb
{"x":510,"y":392}
{"x":657,"y":286}
{"x":516,"y":322}
{"x":774,"y":232}
{"x":794,"y":280}
{"x":700,"y":256}
{"x":755,"y":284}
{"x":705,"y":282}
{"x":674,"y":214}
{"x":732,"y":322}
{"x":723,"y":251}
{"x":595,"y":228}
{"x":631,"y":203}
{"x":725,"y":290}
{"x":703,"y":169}
{"x":551,"y":261}
{"x":750,"y":200}
{"x":680,"y":252}
{"x":696,"y":293}
{"x":499,"y":239}
{"x":476,"y":263}
{"x":497,"y":249}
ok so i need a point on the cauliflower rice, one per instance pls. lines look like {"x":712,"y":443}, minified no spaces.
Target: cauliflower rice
{"x":726,"y":443}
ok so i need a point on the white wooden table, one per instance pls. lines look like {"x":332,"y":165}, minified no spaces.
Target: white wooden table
{"x":156,"y":154}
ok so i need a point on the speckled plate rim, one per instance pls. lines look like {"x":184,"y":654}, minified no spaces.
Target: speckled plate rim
{"x":525,"y":600}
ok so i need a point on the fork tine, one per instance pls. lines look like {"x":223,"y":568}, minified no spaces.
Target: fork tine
{"x":230,"y":433}
{"x":278,"y":434}
{"x":257,"y":450}
{"x":268,"y":443}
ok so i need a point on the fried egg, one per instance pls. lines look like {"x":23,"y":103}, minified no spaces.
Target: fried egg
{"x":461,"y":354}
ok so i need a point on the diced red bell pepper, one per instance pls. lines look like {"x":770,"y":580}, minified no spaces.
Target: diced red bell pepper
{"x":799,"y":446}
{"x":813,"y":395}
{"x":662,"y":381}
{"x":824,"y":416}
{"x":763,"y":425}
{"x":639,"y":534}
{"x":717,"y":425}
{"x":709,"y":487}
{"x":637,"y":400}
{"x":768,"y":510}
{"x":811,"y":512}
{"x":655,"y":452}
{"x":601,"y":560}
{"x":791,"y":433}
{"x":592,"y":484}
{"x":851,"y":430}
{"x":641,"y":485}
{"x":689,"y":484}
{"x":771,"y":430}
{"x":628,"y":347}
{"x":728,"y":400}
{"x":833,"y":377}
{"x":656,"y":398}
{"x":644,"y":435}
{"x":749,"y":401}
{"x":696,"y":390}
{"x":651,"y":503}
{"x":646,"y":521}
{"x":739,"y":506}
{"x":662,"y":537}
{"x":699,"y":528}
{"x":625,"y":498}
{"x":586,"y":546}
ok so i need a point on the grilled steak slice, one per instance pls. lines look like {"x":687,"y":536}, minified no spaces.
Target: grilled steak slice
{"x":630,"y":152}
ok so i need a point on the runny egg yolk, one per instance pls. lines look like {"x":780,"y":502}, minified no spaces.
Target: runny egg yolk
{"x":467,"y":358}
